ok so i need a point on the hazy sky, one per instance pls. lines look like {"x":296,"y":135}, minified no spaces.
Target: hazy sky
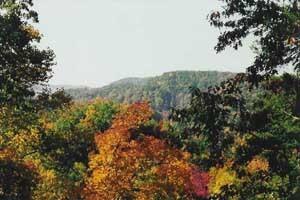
{"x":100,"y":41}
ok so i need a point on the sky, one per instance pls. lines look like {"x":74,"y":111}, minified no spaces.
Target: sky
{"x":97,"y":42}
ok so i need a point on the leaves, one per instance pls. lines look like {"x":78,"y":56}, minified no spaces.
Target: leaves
{"x":274,"y":25}
{"x":17,"y":177}
{"x":23,"y":63}
{"x":221,"y":177}
{"x":258,"y":164}
{"x":132,"y":165}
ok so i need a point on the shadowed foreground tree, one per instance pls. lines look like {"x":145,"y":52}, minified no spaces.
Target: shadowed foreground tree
{"x":250,"y":142}
{"x":275,"y":26}
{"x":22,"y":63}
{"x":49,"y":100}
{"x":17,"y":178}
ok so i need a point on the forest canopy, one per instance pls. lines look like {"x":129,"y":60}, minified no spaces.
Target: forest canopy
{"x":235,"y":137}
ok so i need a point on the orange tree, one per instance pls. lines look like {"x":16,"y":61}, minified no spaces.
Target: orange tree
{"x":132,"y":165}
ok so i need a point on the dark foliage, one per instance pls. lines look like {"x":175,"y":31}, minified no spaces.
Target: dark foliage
{"x":22,"y":64}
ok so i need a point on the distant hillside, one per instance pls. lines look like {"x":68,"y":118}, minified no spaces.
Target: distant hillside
{"x":168,"y":90}
{"x":39,"y":88}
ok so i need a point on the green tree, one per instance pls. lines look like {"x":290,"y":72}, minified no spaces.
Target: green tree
{"x":275,"y":27}
{"x":275,"y":24}
{"x":68,"y":133}
{"x":48,"y":100}
{"x":22,"y":63}
{"x":256,"y":137}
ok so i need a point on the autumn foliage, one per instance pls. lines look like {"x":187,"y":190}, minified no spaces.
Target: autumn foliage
{"x":17,"y":177}
{"x":243,"y":132}
{"x":258,"y":164}
{"x":131,"y":165}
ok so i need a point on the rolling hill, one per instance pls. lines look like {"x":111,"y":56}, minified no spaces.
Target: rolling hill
{"x":171,"y":89}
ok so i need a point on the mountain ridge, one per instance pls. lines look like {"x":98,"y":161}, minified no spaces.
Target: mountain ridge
{"x":171,"y":89}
